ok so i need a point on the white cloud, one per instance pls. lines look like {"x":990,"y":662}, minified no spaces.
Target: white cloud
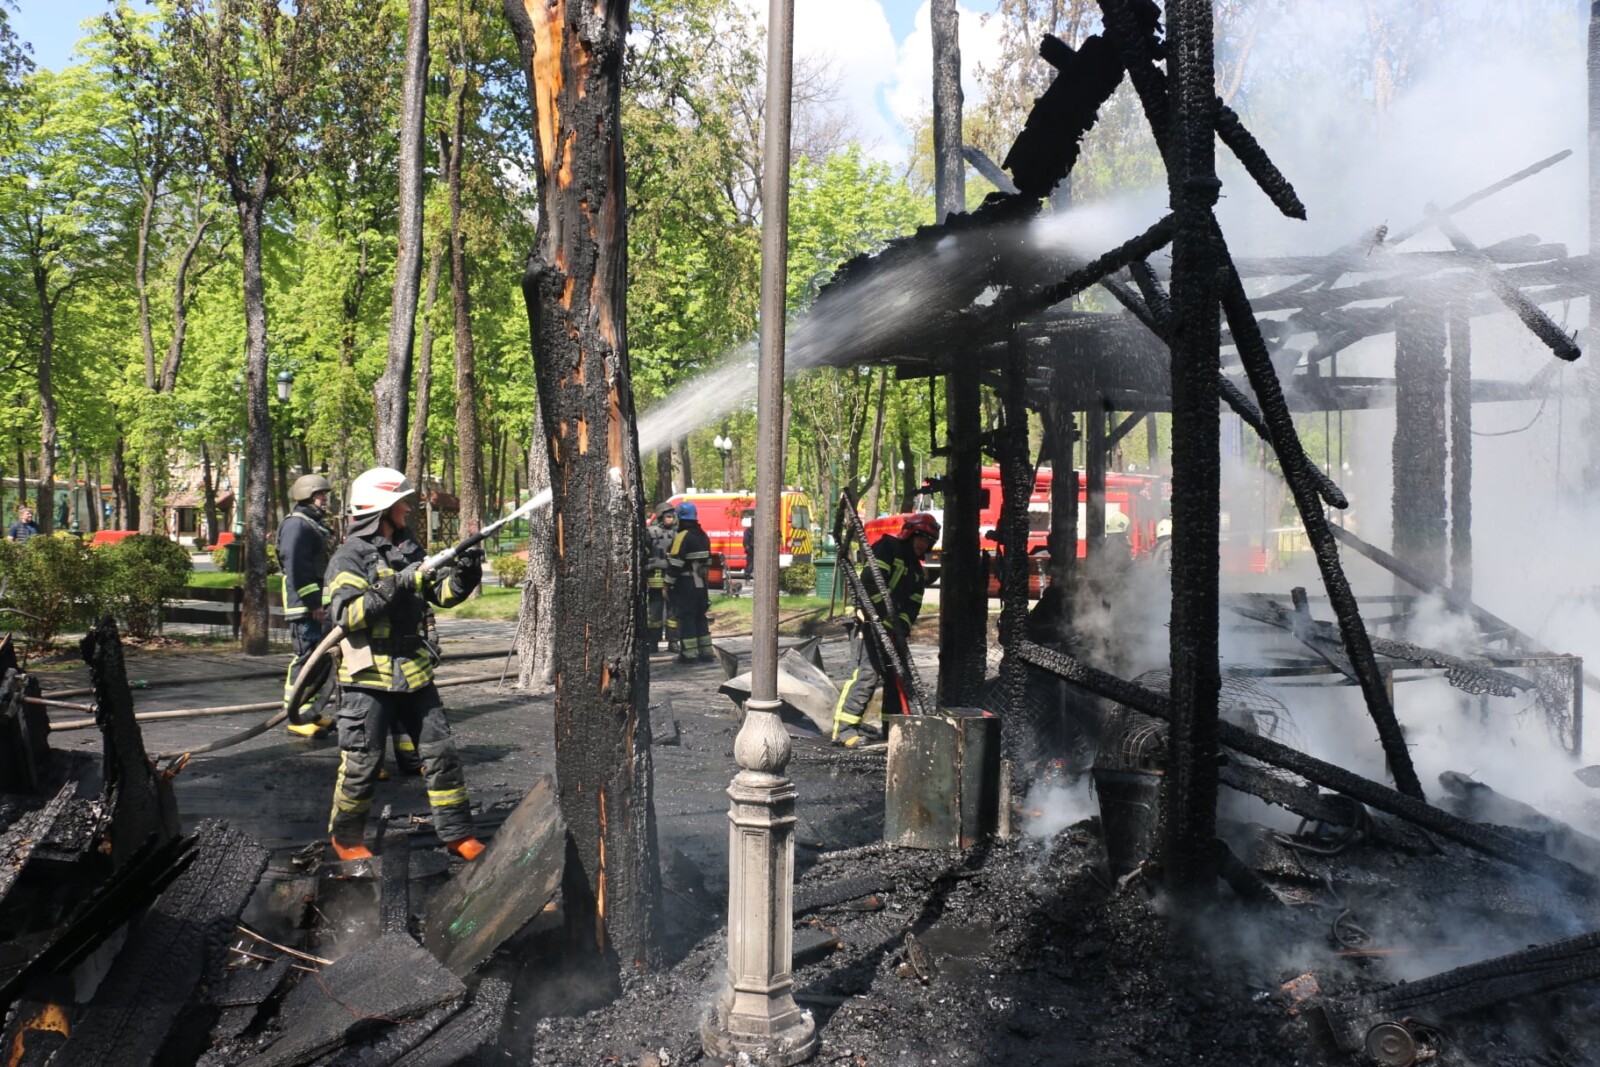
{"x":883,"y":86}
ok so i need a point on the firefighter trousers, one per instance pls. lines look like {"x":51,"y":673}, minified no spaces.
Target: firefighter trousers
{"x":307,"y":634}
{"x":870,"y":672}
{"x":690,"y":605}
{"x":656,"y":605}
{"x":366,"y":718}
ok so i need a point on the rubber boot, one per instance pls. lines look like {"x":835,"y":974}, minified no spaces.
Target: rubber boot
{"x":350,"y":852}
{"x":468,"y":848}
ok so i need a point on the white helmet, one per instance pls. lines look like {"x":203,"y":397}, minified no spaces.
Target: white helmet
{"x":377,"y":490}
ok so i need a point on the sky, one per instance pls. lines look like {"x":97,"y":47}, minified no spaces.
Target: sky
{"x":881,"y":52}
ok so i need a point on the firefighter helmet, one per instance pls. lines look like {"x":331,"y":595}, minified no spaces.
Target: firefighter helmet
{"x":307,"y":486}
{"x":1117,"y":523}
{"x":1164,"y":528}
{"x":921,"y":524}
{"x":666,"y":511}
{"x":688,"y":512}
{"x":377,"y":490}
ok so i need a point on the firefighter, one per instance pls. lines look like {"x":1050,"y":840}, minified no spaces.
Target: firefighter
{"x":899,"y":562}
{"x":379,"y":593}
{"x":305,"y":541}
{"x":687,"y":561}
{"x":661,"y":533}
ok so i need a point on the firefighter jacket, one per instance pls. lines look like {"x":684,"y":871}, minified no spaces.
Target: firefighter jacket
{"x":661,"y":538}
{"x":904,"y":578}
{"x":387,"y":647}
{"x":304,"y":543}
{"x":690,"y":555}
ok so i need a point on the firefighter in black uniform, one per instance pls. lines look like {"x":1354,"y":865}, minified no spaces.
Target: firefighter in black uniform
{"x":305,"y":540}
{"x":687,"y":562}
{"x":661,"y":533}
{"x":379,"y":593}
{"x":899,"y":562}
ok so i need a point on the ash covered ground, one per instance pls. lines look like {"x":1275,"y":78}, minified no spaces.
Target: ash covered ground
{"x":1025,"y":951}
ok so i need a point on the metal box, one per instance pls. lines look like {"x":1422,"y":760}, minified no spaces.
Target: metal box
{"x":942,"y":788}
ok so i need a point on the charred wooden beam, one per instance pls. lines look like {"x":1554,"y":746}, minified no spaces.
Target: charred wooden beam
{"x":1535,"y":320}
{"x":1016,"y":485}
{"x":1046,"y":149}
{"x":980,"y":161}
{"x":142,"y":806}
{"x":1469,"y":989}
{"x":1480,"y":838}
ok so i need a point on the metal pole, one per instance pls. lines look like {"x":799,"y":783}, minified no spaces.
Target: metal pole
{"x":756,"y":1017}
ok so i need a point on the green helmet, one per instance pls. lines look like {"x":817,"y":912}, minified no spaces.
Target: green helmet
{"x":307,"y":486}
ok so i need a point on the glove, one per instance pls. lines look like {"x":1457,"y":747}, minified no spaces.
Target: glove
{"x":469,"y":570}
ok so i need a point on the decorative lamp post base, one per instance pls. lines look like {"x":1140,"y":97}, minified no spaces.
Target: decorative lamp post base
{"x":796,"y":1044}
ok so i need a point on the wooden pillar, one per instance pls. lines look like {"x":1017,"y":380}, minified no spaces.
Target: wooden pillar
{"x":1460,"y":451}
{"x":1189,"y":795}
{"x":1094,"y":468}
{"x":963,"y":588}
{"x":1420,"y":441}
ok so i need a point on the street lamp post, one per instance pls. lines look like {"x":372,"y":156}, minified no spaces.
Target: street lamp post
{"x":723,"y":445}
{"x":756,"y":1019}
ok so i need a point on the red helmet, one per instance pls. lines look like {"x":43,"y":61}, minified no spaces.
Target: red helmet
{"x":921,"y":524}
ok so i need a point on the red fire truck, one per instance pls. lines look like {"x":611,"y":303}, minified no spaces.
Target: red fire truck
{"x":1142,"y":498}
{"x":724,"y":516}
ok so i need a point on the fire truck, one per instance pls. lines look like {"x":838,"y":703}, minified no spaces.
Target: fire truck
{"x":724,"y":517}
{"x":1141,"y":498}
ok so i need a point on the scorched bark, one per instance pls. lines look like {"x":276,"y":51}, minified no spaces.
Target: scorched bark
{"x":575,"y":291}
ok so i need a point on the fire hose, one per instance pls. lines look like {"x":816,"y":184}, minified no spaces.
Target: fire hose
{"x":319,"y":665}
{"x":890,"y":651}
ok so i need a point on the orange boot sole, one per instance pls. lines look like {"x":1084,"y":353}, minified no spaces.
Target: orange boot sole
{"x":468,"y":848}
{"x":350,"y":852}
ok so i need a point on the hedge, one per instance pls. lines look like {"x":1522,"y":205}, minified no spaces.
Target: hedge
{"x":51,"y":583}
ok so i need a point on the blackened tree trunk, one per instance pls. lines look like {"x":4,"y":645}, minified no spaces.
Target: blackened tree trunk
{"x":536,"y":633}
{"x":468,"y":468}
{"x":575,"y":288}
{"x":394,"y":386}
{"x":416,"y":454}
{"x":253,"y":626}
{"x":663,"y":475}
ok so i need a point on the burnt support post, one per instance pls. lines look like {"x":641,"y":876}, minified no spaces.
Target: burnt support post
{"x":1189,"y":798}
{"x":1589,"y":376}
{"x":1023,"y":730}
{"x":1460,"y":450}
{"x":1420,"y":438}
{"x":963,"y":587}
{"x":756,"y":1018}
{"x":1054,"y":612}
{"x":1094,"y":470}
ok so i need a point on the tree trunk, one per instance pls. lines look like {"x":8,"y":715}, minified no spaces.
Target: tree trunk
{"x":46,"y":511}
{"x":393,"y":388}
{"x":119,"y":484}
{"x":469,"y":471}
{"x":148,"y":470}
{"x":575,"y":287}
{"x":536,"y":635}
{"x":685,"y":466}
{"x":908,"y":468}
{"x":663,"y":475}
{"x":208,"y":487}
{"x":350,"y":311}
{"x":416,"y":453}
{"x":253,"y":627}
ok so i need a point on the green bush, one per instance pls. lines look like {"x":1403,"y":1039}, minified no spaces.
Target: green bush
{"x":135,"y":577}
{"x":219,"y":558}
{"x":797,"y":578}
{"x":511,"y":570}
{"x":50,"y":583}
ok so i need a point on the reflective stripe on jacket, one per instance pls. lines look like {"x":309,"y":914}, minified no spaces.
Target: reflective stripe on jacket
{"x":690,"y":555}
{"x":303,"y":547}
{"x":904,"y":578}
{"x":393,"y":629}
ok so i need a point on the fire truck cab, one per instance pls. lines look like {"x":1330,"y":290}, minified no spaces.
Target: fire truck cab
{"x":724,"y":517}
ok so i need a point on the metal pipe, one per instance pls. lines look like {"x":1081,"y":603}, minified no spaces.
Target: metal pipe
{"x":769,"y":374}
